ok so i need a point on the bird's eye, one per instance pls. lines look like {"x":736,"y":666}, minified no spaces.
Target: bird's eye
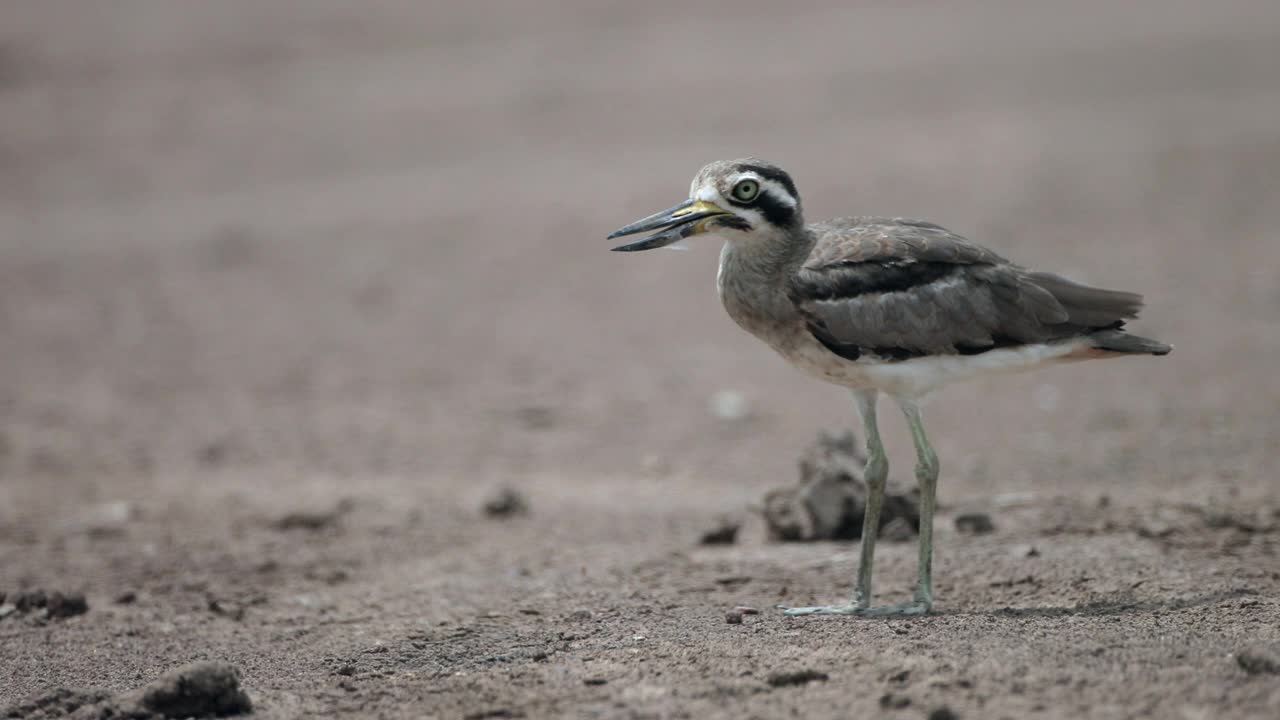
{"x":746,"y":190}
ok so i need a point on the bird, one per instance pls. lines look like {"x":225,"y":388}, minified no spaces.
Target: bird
{"x":884,"y":305}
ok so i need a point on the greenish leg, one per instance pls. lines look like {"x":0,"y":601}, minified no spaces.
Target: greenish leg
{"x":876,"y":474}
{"x":927,"y":475}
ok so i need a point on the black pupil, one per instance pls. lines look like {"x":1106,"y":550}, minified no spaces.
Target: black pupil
{"x":746,"y":189}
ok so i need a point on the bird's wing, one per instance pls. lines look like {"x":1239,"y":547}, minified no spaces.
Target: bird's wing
{"x":898,"y":289}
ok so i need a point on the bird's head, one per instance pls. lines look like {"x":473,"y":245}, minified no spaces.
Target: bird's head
{"x":735,"y":199}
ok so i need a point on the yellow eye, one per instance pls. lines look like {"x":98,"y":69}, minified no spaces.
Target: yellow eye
{"x":746,"y":190}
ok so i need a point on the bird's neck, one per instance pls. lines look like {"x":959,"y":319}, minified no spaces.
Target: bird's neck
{"x":754,"y":275}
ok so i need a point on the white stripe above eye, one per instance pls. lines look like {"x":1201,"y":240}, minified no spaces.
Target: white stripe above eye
{"x":776,"y":190}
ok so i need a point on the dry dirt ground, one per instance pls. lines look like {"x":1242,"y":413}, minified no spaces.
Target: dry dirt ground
{"x":286,"y":290}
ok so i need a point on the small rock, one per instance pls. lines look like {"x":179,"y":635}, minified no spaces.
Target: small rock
{"x":59,"y":606}
{"x":733,"y":618}
{"x":346,"y":670}
{"x":594,"y":681}
{"x":505,"y":502}
{"x":128,"y":597}
{"x":943,"y":713}
{"x":328,"y":576}
{"x":724,"y":532}
{"x":200,"y":689}
{"x":580,"y":615}
{"x":225,"y":608}
{"x":898,"y":529}
{"x":1255,"y":662}
{"x":799,"y":677}
{"x":829,"y":501}
{"x":1025,"y":551}
{"x":975,"y":523}
{"x":730,"y":405}
{"x":746,"y":610}
{"x":7,"y":609}
{"x":494,"y":713}
{"x":59,"y":703}
{"x":107,"y":520}
{"x":314,"y":520}
{"x":894,"y":701}
{"x":28,"y":600}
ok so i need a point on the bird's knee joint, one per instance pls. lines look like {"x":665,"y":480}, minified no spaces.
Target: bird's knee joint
{"x":927,"y":469}
{"x":876,"y":472}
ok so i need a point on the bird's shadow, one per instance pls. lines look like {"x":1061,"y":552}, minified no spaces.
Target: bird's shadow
{"x":1103,"y":608}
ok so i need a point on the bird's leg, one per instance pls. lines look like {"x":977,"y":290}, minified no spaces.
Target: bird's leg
{"x":927,"y":475}
{"x":875,"y":474}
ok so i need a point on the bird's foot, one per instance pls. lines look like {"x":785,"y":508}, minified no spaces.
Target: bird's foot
{"x":902,"y":609}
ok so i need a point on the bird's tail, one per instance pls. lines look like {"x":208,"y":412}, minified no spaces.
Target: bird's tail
{"x":1119,"y":341}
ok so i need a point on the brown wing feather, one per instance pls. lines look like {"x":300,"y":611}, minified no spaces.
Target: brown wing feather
{"x":900,"y":288}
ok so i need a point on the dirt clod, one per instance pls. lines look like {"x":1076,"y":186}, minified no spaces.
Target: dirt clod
{"x":493,"y":713}
{"x":943,"y":713}
{"x":594,"y":681}
{"x":975,"y":523}
{"x":199,"y":690}
{"x":894,"y":701}
{"x":54,"y":605}
{"x":204,"y":689}
{"x":314,"y":519}
{"x":28,"y":600}
{"x":724,"y":532}
{"x":59,"y":703}
{"x":733,"y":618}
{"x":898,"y":529}
{"x":505,"y":502}
{"x":226,"y":608}
{"x":798,"y":677}
{"x":1258,"y":662}
{"x":59,"y":605}
{"x":829,"y":500}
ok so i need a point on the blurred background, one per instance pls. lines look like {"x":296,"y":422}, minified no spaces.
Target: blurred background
{"x":320,"y":240}
{"x":262,"y":258}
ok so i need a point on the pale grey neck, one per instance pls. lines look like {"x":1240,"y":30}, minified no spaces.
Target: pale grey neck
{"x":754,"y":277}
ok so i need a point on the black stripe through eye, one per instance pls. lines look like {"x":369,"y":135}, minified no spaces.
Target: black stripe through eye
{"x":774,"y":211}
{"x":774,"y":174}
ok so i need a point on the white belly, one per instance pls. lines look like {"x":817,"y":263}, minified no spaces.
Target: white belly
{"x":917,"y":377}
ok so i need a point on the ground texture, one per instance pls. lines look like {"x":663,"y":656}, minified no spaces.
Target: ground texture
{"x":287,"y":290}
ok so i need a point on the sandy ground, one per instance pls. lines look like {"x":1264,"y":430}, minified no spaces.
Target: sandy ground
{"x":286,"y":290}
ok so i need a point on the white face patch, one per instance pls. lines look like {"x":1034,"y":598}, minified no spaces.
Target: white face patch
{"x":709,"y":192}
{"x":775,"y":189}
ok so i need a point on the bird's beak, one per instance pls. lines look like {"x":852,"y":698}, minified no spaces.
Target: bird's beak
{"x":684,"y":220}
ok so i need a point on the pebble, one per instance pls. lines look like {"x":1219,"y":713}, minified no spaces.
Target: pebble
{"x":730,"y":405}
{"x":975,"y":523}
